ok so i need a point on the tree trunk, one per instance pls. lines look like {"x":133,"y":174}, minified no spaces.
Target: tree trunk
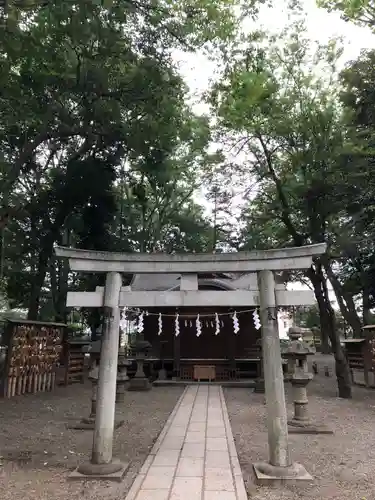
{"x":345,"y":302}
{"x":62,"y":291}
{"x":61,"y":309}
{"x":367,"y":319}
{"x":324,"y":339}
{"x":2,"y":253}
{"x":318,"y":280}
{"x":38,"y":282}
{"x":54,"y":286}
{"x":42,"y":268}
{"x":328,"y":322}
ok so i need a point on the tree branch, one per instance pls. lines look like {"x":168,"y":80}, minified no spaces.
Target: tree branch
{"x":285,"y":210}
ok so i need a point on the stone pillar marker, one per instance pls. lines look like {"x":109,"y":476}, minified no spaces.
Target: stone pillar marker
{"x":101,"y":465}
{"x":89,"y":423}
{"x":280,"y":466}
{"x":94,"y":349}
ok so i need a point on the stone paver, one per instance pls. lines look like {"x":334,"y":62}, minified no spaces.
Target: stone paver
{"x":195,"y":457}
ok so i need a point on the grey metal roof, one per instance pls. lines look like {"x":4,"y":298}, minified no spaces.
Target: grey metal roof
{"x":172,"y":281}
{"x":222,"y":284}
{"x":162,"y":282}
{"x":154,"y":281}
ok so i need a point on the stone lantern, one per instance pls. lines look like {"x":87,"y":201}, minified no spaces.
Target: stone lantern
{"x":140,"y":382}
{"x":89,"y":423}
{"x":298,"y":374}
{"x":296,"y":352}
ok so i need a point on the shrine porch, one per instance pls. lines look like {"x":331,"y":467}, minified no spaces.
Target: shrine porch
{"x":243,"y":383}
{"x":201,"y":369}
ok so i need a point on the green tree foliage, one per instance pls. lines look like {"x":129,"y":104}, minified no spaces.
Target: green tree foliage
{"x":308,"y":318}
{"x":183,"y":23}
{"x":357,"y":234}
{"x":359,"y":11}
{"x":73,"y":75}
{"x":277,"y":103}
{"x":86,"y":88}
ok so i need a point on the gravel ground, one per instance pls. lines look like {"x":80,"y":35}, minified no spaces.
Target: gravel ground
{"x":38,"y":450}
{"x":343,"y":464}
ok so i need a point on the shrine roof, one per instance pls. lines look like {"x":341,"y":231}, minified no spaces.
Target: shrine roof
{"x":164,"y":282}
{"x":154,"y":281}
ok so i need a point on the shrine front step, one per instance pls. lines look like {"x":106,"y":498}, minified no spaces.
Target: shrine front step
{"x":248,"y":384}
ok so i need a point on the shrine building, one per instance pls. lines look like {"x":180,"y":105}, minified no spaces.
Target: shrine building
{"x":226,"y":341}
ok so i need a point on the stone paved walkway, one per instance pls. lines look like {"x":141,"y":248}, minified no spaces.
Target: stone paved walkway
{"x":194,"y":457}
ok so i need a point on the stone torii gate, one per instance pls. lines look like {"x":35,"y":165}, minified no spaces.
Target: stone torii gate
{"x":268,"y":297}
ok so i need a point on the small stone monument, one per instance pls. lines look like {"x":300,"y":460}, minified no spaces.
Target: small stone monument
{"x":162,"y":374}
{"x":298,"y":374}
{"x":140,"y":382}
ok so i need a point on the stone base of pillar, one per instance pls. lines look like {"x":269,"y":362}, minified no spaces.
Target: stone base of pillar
{"x":89,"y":424}
{"x":113,"y":471}
{"x":307,"y":427}
{"x":162,"y":374}
{"x":86,"y":424}
{"x":259,"y":386}
{"x":267,"y":474}
{"x":139,"y":384}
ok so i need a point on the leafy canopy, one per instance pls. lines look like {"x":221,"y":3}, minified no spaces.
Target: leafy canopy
{"x":361,"y":12}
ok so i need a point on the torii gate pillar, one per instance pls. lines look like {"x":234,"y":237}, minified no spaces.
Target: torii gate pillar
{"x":273,"y":373}
{"x":101,"y":465}
{"x":280,"y":466}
